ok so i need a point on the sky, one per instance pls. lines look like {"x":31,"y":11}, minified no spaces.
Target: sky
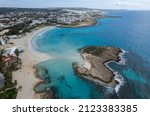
{"x":100,"y":4}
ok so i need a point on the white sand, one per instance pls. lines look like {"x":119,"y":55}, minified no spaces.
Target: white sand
{"x":26,"y":77}
{"x":87,"y":65}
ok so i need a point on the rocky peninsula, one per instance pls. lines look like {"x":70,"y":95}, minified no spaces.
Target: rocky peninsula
{"x":95,"y":67}
{"x":84,"y":23}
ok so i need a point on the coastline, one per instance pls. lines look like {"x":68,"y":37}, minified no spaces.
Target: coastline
{"x":26,"y":77}
{"x":87,"y":23}
{"x":117,"y":76}
{"x":115,"y":80}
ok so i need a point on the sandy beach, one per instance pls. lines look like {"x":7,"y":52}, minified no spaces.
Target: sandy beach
{"x":26,"y":76}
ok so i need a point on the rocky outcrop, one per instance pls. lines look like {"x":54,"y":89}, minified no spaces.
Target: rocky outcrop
{"x":99,"y":72}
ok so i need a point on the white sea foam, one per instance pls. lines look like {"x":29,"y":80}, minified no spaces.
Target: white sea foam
{"x":39,"y":35}
{"x":120,"y":79}
{"x":122,"y":58}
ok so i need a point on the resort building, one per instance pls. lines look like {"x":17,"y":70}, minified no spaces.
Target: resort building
{"x":3,"y":40}
{"x":11,"y":51}
{"x":13,"y":37}
{"x":11,"y":61}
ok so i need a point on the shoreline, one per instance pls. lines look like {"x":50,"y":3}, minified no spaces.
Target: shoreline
{"x":117,"y":76}
{"x":26,"y":77}
{"x":90,"y":22}
{"x":46,"y":94}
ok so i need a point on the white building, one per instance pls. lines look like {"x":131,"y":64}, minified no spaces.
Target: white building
{"x":13,"y":37}
{"x":3,"y":40}
{"x":11,"y":51}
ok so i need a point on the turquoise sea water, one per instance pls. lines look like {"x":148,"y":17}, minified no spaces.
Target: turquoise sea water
{"x":131,"y":32}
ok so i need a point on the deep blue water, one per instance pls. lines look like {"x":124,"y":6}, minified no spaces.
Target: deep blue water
{"x":131,"y":32}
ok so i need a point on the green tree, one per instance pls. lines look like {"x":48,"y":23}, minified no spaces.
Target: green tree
{"x":1,"y":54}
{"x":1,"y":62}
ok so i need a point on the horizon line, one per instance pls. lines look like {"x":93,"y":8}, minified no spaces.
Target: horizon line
{"x":74,"y":7}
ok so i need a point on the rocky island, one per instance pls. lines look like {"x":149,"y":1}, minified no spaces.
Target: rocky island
{"x":95,"y":67}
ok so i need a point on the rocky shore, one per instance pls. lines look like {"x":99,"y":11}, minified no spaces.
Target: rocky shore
{"x":42,"y":74}
{"x":97,"y":70}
